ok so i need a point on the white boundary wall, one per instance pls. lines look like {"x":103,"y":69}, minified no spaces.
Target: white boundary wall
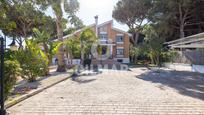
{"x":185,"y":67}
{"x":76,"y":61}
{"x":198,"y":68}
{"x":178,"y":66}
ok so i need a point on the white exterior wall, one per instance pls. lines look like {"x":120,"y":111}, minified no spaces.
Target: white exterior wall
{"x":74,"y":61}
{"x":125,"y":60}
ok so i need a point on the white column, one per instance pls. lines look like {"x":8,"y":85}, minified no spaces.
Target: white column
{"x":111,"y":51}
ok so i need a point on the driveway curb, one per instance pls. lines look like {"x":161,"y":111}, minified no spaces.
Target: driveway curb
{"x":24,"y":97}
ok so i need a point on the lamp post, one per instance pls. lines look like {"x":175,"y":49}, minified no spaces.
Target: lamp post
{"x":13,"y":47}
{"x":2,"y":46}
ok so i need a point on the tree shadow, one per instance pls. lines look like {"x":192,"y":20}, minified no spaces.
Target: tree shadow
{"x":53,"y":74}
{"x":136,"y":66}
{"x":82,"y":79}
{"x":186,"y":83}
{"x":24,"y":88}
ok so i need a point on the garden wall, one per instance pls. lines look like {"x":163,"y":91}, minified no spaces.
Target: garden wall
{"x":178,"y":66}
{"x":190,"y":57}
{"x":185,"y":67}
{"x":198,"y":68}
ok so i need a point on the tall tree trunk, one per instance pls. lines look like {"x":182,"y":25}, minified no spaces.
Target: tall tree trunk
{"x":82,"y":55}
{"x":60,"y":54}
{"x":135,"y":59}
{"x":48,"y":57}
{"x":71,"y":58}
{"x":67,"y":56}
{"x":182,"y":21}
{"x":135,"y":38}
{"x":182,"y":34}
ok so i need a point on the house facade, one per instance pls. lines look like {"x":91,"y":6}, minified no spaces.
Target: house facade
{"x":113,"y":41}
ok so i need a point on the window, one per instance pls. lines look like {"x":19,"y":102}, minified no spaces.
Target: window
{"x":120,"y":60}
{"x":103,"y":36}
{"x":119,"y":38}
{"x":120,"y":51}
{"x":103,"y":29}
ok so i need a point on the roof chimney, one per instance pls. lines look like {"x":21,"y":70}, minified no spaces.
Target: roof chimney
{"x":96,"y":23}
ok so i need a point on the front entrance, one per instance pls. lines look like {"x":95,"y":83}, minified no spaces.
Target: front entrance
{"x":104,"y":50}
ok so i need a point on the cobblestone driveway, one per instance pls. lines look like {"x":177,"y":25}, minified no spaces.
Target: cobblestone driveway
{"x":127,"y":92}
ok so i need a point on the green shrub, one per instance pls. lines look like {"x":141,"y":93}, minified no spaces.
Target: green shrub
{"x":11,"y":71}
{"x":32,"y":62}
{"x":169,"y":56}
{"x":165,"y":57}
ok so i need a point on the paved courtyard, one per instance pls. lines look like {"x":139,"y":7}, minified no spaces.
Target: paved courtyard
{"x":136,"y":92}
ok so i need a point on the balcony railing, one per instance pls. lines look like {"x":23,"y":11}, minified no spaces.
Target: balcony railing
{"x":107,"y":41}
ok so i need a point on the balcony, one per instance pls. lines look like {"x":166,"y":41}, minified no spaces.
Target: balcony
{"x":106,"y":42}
{"x":120,"y":56}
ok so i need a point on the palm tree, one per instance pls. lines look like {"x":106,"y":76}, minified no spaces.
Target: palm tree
{"x":72,"y":47}
{"x":87,"y":38}
{"x":42,"y":39}
{"x":68,"y":48}
{"x":70,"y":7}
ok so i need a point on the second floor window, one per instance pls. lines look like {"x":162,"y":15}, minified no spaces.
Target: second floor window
{"x":120,"y":51}
{"x":119,"y":38}
{"x":103,"y":36}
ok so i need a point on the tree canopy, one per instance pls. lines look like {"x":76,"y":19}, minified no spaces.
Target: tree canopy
{"x":181,"y":17}
{"x":159,"y":21}
{"x":176,"y":18}
{"x":69,"y":7}
{"x":19,"y":18}
{"x":133,"y":13}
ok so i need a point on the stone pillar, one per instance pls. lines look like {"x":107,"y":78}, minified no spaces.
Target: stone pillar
{"x":96,"y":23}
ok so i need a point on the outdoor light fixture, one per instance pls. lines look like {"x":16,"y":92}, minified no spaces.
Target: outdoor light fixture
{"x":2,"y":48}
{"x":13,"y":46}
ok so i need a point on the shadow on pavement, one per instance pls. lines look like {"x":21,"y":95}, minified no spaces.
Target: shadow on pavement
{"x":82,"y":81}
{"x":186,"y":83}
{"x":84,"y":78}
